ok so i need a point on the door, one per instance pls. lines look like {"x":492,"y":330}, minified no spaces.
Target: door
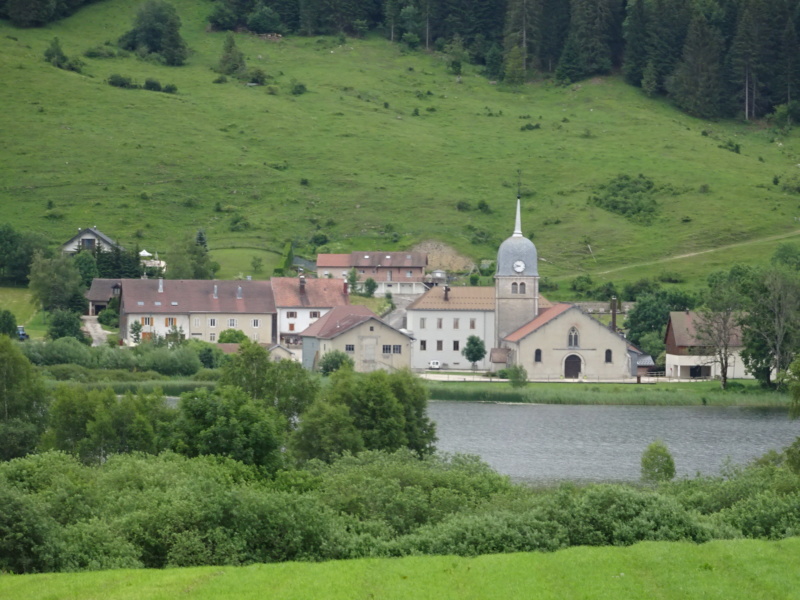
{"x":572,"y":367}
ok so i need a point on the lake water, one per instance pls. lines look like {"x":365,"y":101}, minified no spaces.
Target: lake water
{"x":550,"y":443}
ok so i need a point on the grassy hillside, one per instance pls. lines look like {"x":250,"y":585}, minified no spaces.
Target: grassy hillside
{"x":350,"y":158}
{"x":744,"y":569}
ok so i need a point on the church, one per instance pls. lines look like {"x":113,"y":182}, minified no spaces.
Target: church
{"x":518,"y":326}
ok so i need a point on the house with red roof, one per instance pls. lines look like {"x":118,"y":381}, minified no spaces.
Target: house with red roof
{"x":301,"y":301}
{"x":362,"y":335}
{"x":394,"y":272}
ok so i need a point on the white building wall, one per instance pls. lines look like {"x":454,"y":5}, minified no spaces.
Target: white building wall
{"x":294,"y":326}
{"x":678,"y":366}
{"x":434,"y":336}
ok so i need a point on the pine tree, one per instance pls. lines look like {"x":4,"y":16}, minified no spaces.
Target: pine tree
{"x":789,"y":64}
{"x":590,"y":27}
{"x":668,"y":23}
{"x":554,"y":32}
{"x":635,"y":28}
{"x":514,"y":67}
{"x":570,"y":66}
{"x":232,"y":60}
{"x":696,"y":85}
{"x":522,"y":28}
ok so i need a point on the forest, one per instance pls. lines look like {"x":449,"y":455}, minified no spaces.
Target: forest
{"x":712,"y":58}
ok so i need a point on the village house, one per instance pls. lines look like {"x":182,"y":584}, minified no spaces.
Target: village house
{"x":101,"y":292}
{"x":90,"y":239}
{"x":689,"y":358}
{"x":359,"y":333}
{"x":200,"y":308}
{"x":394,"y":272}
{"x":300,"y":301}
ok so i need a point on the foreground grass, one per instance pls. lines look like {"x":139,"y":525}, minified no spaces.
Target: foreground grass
{"x":350,"y":158}
{"x":662,"y":394}
{"x":728,"y":570}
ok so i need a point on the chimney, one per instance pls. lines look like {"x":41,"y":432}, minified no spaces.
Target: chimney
{"x":613,"y":313}
{"x":447,"y":293}
{"x":238,"y":292}
{"x":160,"y":285}
{"x":302,"y":284}
{"x":215,"y":292}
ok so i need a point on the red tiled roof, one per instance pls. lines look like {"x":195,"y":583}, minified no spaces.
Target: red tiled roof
{"x":196,"y":295}
{"x":542,"y":318}
{"x":338,"y":320}
{"x":459,"y":298}
{"x":316,"y":293}
{"x":389,"y":259}
{"x":333,"y":261}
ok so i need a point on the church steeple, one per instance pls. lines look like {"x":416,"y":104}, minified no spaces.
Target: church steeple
{"x":518,"y":224}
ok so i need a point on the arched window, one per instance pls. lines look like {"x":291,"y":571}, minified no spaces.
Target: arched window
{"x":537,"y":356}
{"x":522,"y":288}
{"x":514,"y":288}
{"x":608,"y":356}
{"x":572,"y":339}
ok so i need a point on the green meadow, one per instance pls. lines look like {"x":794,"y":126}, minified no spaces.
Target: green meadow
{"x":377,"y":153}
{"x":729,"y":570}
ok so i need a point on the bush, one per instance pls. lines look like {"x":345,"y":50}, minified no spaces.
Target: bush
{"x":298,"y":89}
{"x":109,"y":318}
{"x":67,"y":350}
{"x":152,"y":84}
{"x":177,"y":361}
{"x":121,"y":81}
{"x":170,"y":88}
{"x":657,"y":463}
{"x":631,"y":197}
{"x":221,"y":79}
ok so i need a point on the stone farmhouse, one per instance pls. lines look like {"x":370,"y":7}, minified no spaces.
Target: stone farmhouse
{"x":362,"y":335}
{"x":688,"y":358}
{"x":394,"y":272}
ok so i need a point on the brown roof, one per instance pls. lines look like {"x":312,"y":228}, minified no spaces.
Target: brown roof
{"x":316,"y":293}
{"x":196,"y":295}
{"x":102,"y":290}
{"x":338,"y":320}
{"x":389,"y":259}
{"x":684,"y":328}
{"x":542,"y":318}
{"x":333,"y":261}
{"x":459,"y":298}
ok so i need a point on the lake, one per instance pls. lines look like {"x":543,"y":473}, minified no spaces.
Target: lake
{"x":541,"y":443}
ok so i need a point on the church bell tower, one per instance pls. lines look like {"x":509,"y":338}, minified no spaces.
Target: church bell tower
{"x":516,"y":282}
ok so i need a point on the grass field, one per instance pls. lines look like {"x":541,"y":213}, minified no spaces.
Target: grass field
{"x":662,"y":394}
{"x":730,"y":570}
{"x":350,"y":158}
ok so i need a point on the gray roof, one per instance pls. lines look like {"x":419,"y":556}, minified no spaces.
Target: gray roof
{"x":97,"y":233}
{"x":515,"y":248}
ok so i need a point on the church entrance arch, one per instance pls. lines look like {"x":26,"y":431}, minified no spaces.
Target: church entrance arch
{"x":572,"y":367}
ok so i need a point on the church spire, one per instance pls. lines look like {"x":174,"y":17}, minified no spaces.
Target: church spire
{"x":518,"y":224}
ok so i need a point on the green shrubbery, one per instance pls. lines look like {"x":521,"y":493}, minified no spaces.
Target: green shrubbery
{"x":631,"y":197}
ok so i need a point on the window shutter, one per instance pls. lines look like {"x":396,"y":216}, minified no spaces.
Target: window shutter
{"x":166,"y":322}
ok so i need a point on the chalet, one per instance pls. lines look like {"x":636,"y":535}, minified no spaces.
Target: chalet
{"x":358,"y":332}
{"x":394,"y":272}
{"x":688,"y":358}
{"x":89,"y":239}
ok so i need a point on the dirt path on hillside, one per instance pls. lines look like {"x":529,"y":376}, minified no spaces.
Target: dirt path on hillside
{"x":770,"y":238}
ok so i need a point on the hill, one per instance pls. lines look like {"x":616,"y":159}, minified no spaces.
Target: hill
{"x":378,"y":153}
{"x":726,"y":570}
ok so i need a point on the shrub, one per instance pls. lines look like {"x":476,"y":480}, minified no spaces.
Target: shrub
{"x":170,"y":88}
{"x":121,"y":81}
{"x":657,"y":463}
{"x":257,"y":76}
{"x":298,"y":89}
{"x":221,"y":79}
{"x":109,"y":318}
{"x":631,"y":197}
{"x":152,"y":84}
{"x":67,"y":350}
{"x":463,"y":206}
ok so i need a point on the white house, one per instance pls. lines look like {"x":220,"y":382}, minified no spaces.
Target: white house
{"x":89,"y":239}
{"x":299,"y":302}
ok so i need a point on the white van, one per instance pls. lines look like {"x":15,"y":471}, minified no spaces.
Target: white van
{"x":435,"y":365}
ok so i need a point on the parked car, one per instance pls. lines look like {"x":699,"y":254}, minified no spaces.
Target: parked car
{"x":435,"y":365}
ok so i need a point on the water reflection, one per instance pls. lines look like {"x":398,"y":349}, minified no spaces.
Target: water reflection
{"x":549,"y":443}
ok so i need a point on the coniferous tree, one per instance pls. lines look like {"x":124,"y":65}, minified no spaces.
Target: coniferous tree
{"x":553,"y":33}
{"x":636,"y":56}
{"x":668,"y":23}
{"x":696,"y":85}
{"x":788,"y":76}
{"x":156,"y":30}
{"x":570,"y":66}
{"x":514,"y":67}
{"x":231,"y":62}
{"x":523,"y":28}
{"x":745,"y":61}
{"x":591,"y":24}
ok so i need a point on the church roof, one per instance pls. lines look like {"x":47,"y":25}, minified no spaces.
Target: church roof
{"x":543,"y":318}
{"x":458,"y":298}
{"x":517,"y":248}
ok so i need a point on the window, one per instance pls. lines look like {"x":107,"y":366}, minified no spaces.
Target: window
{"x":372,"y":327}
{"x":408,"y":274}
{"x":212,"y":337}
{"x":212,"y":322}
{"x":423,"y":345}
{"x":231,"y":322}
{"x":197,"y":321}
{"x":472,"y":323}
{"x":255,"y":337}
{"x":146,"y":321}
{"x":439,"y":323}
{"x":88,"y":244}
{"x":455,"y":345}
{"x":291,"y":314}
{"x":522,"y":288}
{"x":537,"y":356}
{"x":422,"y":323}
{"x":439,"y":345}
{"x":514,"y":288}
{"x":256,"y":323}
{"x":387,"y":349}
{"x":608,"y":356}
{"x":455,"y":323}
{"x":314,"y":314}
{"x":397,"y":349}
{"x":572,"y":338}
{"x":349,"y":347}
{"x":388,"y":275}
{"x":169,"y":322}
